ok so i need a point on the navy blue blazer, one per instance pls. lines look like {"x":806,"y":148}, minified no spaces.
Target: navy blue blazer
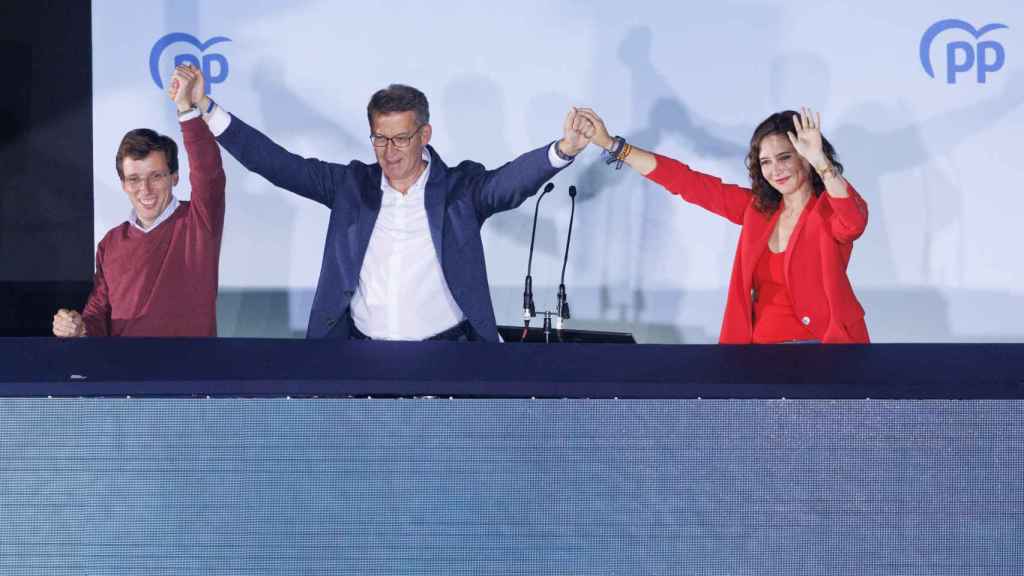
{"x":458,"y":201}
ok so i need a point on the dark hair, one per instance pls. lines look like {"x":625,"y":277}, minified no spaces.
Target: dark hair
{"x":398,"y":98}
{"x":139,"y":143}
{"x":766,"y":197}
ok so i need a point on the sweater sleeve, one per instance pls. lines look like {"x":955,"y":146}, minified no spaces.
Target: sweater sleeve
{"x":726,"y":200}
{"x":206,"y":174}
{"x":96,"y":314}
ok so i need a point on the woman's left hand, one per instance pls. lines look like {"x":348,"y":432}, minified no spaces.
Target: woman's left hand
{"x":807,"y":138}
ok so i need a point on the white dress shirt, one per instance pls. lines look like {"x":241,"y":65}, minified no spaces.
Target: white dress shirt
{"x":402,"y":293}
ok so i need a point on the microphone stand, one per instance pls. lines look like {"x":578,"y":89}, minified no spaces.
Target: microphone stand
{"x":562,"y":306}
{"x":529,"y":310}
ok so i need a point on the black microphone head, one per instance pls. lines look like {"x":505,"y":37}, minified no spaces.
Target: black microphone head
{"x":529,"y":311}
{"x":572,"y":191}
{"x":548,"y":187}
{"x":562,"y":307}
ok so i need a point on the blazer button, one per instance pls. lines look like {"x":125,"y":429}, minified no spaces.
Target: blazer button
{"x":331,"y":322}
{"x":806,"y":320}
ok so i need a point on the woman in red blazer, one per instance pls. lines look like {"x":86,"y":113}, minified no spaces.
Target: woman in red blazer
{"x":799,"y":218}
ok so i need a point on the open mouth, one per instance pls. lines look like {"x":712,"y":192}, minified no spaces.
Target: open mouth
{"x":148,"y":203}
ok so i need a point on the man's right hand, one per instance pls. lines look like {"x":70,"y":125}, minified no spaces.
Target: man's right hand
{"x":187,"y":87}
{"x":68,"y":324}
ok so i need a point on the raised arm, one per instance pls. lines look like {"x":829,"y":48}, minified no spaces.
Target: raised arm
{"x":726,"y":200}
{"x":849,"y":215}
{"x":849,"y":211}
{"x":306,"y":177}
{"x":508,"y":186}
{"x":206,"y":172}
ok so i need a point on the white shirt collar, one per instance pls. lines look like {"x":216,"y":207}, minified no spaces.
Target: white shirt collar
{"x":133,"y":218}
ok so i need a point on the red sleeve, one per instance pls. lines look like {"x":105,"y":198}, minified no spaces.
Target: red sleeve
{"x":206,"y":174}
{"x":96,"y":314}
{"x":849,"y":215}
{"x":727,"y":200}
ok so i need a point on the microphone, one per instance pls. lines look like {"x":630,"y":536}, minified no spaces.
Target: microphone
{"x":562,"y":308}
{"x":529,"y":310}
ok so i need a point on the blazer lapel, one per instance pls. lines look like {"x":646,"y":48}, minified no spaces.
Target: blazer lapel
{"x":756,"y":244}
{"x":434,"y":197}
{"x":369,"y":209}
{"x":801,"y":223}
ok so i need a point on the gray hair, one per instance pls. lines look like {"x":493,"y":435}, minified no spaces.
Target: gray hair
{"x":398,"y":98}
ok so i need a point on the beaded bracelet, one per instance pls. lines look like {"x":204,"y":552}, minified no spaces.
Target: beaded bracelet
{"x":614,"y":154}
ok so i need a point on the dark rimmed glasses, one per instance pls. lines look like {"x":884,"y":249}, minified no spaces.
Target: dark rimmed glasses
{"x":399,"y":141}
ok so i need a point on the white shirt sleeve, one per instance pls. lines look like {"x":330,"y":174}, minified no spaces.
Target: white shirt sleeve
{"x":218,"y":120}
{"x":556,"y":161}
{"x":193,"y":113}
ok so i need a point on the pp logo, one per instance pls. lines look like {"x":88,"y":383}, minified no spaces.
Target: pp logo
{"x":207,"y":65}
{"x":987,"y":56}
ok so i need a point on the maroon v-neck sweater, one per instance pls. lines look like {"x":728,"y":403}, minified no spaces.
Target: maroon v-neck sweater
{"x":164,"y":283}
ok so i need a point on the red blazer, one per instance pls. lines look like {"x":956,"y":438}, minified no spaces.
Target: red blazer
{"x":816,"y":258}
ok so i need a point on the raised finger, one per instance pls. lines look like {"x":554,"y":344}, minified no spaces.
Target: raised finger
{"x":593,"y":118}
{"x":798,"y":124}
{"x":569,"y":117}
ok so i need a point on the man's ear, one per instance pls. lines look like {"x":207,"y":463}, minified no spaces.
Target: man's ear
{"x":426,"y":132}
{"x":174,"y":180}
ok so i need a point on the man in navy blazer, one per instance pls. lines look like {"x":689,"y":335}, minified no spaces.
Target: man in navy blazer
{"x":403,"y":258}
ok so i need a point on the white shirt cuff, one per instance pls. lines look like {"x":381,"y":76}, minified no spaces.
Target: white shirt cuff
{"x":193,"y":113}
{"x":218,"y":120}
{"x":556,"y":161}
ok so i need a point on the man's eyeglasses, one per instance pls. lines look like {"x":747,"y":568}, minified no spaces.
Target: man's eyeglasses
{"x":400,"y":141}
{"x":155,"y":180}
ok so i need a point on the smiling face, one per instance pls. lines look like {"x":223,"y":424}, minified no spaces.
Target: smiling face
{"x":782,"y":166}
{"x":148,"y":183}
{"x":401,"y":165}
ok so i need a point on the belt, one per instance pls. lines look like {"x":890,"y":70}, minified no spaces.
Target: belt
{"x":462,"y":330}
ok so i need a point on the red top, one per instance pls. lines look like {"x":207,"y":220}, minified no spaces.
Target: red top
{"x":164,"y":283}
{"x":774,"y":319}
{"x":815,"y":260}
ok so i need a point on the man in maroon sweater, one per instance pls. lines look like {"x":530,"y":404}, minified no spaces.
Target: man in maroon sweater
{"x":156,"y":274}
